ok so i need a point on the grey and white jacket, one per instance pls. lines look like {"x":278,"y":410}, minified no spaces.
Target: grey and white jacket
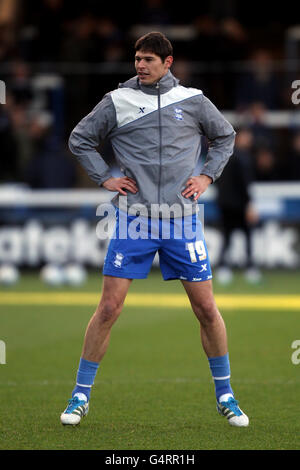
{"x":155,"y":132}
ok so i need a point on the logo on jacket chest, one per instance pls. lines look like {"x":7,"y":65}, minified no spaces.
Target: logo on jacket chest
{"x":178,"y":114}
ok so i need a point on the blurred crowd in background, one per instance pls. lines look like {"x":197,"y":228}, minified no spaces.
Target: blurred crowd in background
{"x":58,"y":58}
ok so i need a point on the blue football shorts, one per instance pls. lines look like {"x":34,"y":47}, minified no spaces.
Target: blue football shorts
{"x":179,"y":242}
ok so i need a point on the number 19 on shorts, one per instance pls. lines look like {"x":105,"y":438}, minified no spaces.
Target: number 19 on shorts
{"x":197,"y":251}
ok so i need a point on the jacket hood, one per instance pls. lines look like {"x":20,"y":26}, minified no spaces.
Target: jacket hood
{"x":167,"y":82}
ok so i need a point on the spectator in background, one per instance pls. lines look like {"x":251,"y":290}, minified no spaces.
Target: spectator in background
{"x":9,"y":159}
{"x":22,"y":142}
{"x":232,"y":46}
{"x":41,"y":28}
{"x":51,"y":167}
{"x":32,"y":98}
{"x":204,"y":48}
{"x":19,"y":100}
{"x":205,"y":44}
{"x":79,"y":40}
{"x":183,"y":70}
{"x":8,"y":16}
{"x":263,"y":134}
{"x":236,"y":208}
{"x":110,"y":40}
{"x":78,"y":46}
{"x":153,"y":12}
{"x":217,"y":43}
{"x":20,"y":82}
{"x":259,"y":83}
{"x":50,"y":17}
{"x":233,"y":40}
{"x":291,"y":166}
{"x":266,"y":167}
{"x":89,"y":41}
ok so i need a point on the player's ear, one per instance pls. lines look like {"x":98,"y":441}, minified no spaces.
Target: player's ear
{"x":169,"y":61}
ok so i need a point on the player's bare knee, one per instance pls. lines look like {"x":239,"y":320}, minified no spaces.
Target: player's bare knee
{"x":206,"y":311}
{"x":108,"y":311}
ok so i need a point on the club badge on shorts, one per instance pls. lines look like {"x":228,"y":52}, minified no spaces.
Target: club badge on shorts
{"x":118,"y":260}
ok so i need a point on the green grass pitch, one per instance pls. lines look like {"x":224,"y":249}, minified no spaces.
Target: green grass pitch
{"x":153,"y":389}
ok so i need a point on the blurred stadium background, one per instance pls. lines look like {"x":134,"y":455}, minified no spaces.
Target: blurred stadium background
{"x":57,"y":59}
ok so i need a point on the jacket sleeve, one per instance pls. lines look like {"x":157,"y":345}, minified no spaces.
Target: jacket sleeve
{"x":221,"y":137}
{"x":88,"y":134}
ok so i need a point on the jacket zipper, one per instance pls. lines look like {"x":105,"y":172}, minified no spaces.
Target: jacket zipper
{"x":160,"y":139}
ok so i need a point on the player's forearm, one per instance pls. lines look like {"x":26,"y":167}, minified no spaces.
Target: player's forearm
{"x":83,"y":148}
{"x":91,"y":161}
{"x":221,"y":137}
{"x":88,"y":135}
{"x":218,"y":155}
{"x":95,"y":167}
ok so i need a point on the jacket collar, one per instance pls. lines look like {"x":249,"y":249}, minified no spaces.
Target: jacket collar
{"x":166,"y":83}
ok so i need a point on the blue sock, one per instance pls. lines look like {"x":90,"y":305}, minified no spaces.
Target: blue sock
{"x":220,"y":370}
{"x":85,"y":377}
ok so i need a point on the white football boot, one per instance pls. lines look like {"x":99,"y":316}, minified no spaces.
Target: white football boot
{"x":75,"y":410}
{"x":228,"y":407}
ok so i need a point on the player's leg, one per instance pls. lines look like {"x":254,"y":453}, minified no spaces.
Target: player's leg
{"x":109,"y":308}
{"x":212,"y":326}
{"x":214,"y":341}
{"x":95,"y":344}
{"x":127,"y":258}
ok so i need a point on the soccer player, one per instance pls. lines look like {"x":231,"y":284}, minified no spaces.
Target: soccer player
{"x":155,"y":127}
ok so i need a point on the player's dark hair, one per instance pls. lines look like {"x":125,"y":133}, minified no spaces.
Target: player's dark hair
{"x":155,"y":42}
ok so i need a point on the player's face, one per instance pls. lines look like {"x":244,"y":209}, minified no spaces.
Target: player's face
{"x":150,"y":68}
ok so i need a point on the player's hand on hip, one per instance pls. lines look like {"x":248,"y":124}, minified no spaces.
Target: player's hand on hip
{"x":195,"y":186}
{"x":121,"y":185}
